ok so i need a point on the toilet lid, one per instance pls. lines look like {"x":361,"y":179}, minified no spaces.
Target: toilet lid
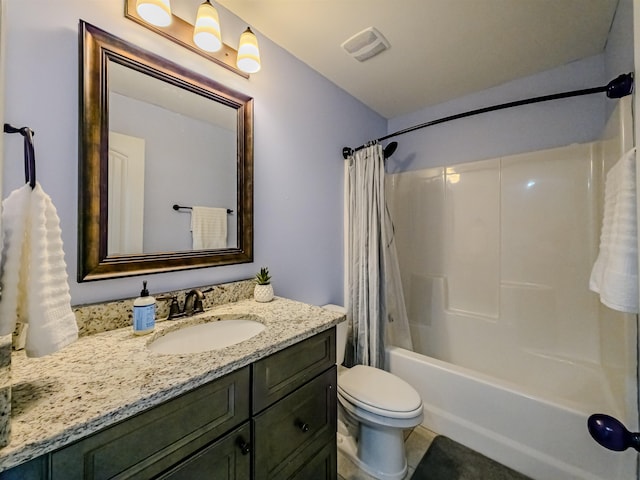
{"x":374,"y":389}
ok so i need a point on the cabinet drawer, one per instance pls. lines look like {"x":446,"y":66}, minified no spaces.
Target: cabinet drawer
{"x":284,"y":371}
{"x":225,"y":459}
{"x":295,"y":429}
{"x":151,"y":442}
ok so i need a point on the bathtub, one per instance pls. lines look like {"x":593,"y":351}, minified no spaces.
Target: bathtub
{"x":538,"y":437}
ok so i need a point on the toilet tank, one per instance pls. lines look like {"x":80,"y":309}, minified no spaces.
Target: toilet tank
{"x":341,"y":333}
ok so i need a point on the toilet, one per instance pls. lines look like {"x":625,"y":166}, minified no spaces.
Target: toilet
{"x":374,"y":407}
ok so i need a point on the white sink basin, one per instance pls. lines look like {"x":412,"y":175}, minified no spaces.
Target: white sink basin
{"x":206,"y":336}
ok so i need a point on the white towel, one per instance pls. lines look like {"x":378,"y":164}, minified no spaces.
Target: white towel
{"x":35,"y":288}
{"x":615,"y":272}
{"x":209,"y":228}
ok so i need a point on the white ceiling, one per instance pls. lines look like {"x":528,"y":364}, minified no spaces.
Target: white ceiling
{"x":440,"y":49}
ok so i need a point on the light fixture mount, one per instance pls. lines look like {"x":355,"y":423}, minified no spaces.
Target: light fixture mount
{"x":181,"y":32}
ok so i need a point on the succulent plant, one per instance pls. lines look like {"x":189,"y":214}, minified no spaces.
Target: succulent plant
{"x":263,"y":277}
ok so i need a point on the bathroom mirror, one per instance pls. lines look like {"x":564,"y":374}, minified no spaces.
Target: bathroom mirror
{"x":154,"y":135}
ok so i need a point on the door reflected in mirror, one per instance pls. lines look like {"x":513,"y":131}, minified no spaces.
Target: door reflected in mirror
{"x":154,"y":135}
{"x":126,"y":194}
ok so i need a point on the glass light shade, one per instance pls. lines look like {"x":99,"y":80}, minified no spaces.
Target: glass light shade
{"x":156,"y":12}
{"x":248,"y":52}
{"x":206,"y":33}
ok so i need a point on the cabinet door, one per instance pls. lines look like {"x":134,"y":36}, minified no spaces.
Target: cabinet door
{"x":291,"y":432}
{"x":36,"y":469}
{"x":226,"y":459}
{"x":149,"y":443}
{"x":323,"y":465}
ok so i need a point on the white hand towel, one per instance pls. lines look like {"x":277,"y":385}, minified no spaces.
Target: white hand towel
{"x":615,"y":272}
{"x":15,"y":210}
{"x":209,"y":228}
{"x":34,"y":277}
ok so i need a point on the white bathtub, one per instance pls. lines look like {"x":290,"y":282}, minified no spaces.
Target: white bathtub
{"x":542,"y":439}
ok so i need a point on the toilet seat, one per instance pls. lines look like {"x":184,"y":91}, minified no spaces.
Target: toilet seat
{"x":379,"y":392}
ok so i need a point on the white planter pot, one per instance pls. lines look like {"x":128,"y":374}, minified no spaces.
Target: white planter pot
{"x":263,"y":293}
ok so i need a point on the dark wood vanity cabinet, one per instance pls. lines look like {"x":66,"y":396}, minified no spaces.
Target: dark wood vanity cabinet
{"x":294,"y":411}
{"x":274,"y":419}
{"x":146,"y":445}
{"x":295,"y":430}
{"x":227,"y":458}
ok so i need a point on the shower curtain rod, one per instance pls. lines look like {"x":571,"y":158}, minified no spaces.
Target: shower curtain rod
{"x":616,"y":88}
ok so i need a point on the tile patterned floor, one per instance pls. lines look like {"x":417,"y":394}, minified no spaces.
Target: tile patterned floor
{"x":416,"y":443}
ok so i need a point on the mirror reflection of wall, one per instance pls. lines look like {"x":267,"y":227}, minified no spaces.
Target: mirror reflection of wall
{"x":189,"y":159}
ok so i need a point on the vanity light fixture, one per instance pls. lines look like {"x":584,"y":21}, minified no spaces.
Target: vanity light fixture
{"x":156,"y":12}
{"x":203,"y":38}
{"x":248,"y":52}
{"x":206,"y":32}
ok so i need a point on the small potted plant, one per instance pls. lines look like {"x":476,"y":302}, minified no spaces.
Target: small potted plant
{"x":263,"y":291}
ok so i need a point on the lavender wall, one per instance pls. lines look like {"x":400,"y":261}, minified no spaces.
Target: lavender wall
{"x":526,"y":128}
{"x":510,"y":131}
{"x":301,"y":123}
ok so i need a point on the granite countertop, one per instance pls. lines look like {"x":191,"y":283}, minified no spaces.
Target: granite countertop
{"x":107,"y":377}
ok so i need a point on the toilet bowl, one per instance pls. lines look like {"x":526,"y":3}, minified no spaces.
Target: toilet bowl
{"x":374,"y":407}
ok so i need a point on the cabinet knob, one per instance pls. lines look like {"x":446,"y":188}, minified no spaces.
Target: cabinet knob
{"x":244,"y":446}
{"x":304,"y":427}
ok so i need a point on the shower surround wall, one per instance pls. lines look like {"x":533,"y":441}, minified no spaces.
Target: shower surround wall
{"x":496,"y":262}
{"x":495,"y":258}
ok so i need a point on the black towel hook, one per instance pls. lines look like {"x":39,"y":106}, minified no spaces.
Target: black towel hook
{"x":29,"y":152}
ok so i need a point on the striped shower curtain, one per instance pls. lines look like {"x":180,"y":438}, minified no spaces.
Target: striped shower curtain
{"x":376,"y":311}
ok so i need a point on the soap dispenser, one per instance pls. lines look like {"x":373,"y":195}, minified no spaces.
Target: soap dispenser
{"x":144,"y":312}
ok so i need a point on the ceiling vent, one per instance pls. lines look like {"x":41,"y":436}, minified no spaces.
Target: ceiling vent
{"x":366,"y":44}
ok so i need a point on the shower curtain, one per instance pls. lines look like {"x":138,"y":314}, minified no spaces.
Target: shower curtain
{"x":376,"y":311}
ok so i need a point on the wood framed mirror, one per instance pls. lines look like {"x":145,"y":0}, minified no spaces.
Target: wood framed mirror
{"x":154,"y":135}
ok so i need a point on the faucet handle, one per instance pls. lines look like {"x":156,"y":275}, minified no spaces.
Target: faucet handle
{"x":174,"y":307}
